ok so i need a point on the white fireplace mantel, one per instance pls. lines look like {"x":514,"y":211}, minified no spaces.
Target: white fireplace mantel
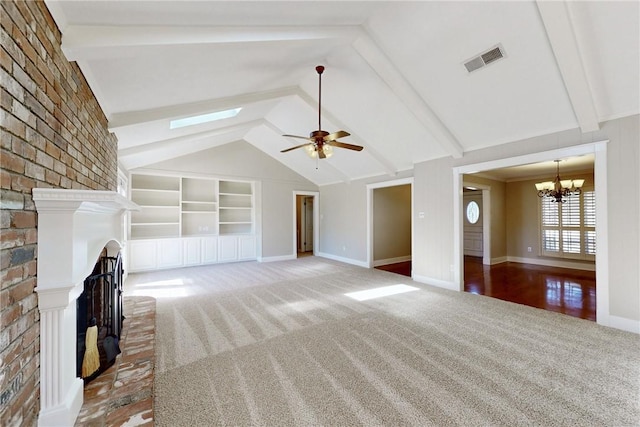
{"x":74,"y":227}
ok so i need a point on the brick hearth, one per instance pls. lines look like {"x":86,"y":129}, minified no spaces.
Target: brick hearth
{"x":123,"y":394}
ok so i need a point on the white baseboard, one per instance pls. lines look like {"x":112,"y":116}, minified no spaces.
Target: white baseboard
{"x":554,"y":263}
{"x":277,"y":258}
{"x":498,"y":260}
{"x":387,"y":261}
{"x":345,"y":260}
{"x":621,"y":323}
{"x":436,"y":282}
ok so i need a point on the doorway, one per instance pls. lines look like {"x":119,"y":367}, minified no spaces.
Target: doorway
{"x":306,"y":236}
{"x":304,"y":225}
{"x":473,"y":219}
{"x":390,"y":225}
{"x":598,"y":150}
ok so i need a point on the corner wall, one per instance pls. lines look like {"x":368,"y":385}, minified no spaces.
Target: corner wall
{"x":53,"y":134}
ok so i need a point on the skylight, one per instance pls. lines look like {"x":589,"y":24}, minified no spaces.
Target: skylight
{"x":204,"y":118}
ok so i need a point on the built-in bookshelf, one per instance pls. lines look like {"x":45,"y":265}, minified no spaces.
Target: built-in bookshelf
{"x":175,"y":206}
{"x":188,"y":221}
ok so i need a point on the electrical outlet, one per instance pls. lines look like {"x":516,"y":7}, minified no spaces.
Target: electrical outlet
{"x":529,"y":249}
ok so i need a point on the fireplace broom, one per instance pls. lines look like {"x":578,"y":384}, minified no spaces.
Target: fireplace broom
{"x":91,"y":360}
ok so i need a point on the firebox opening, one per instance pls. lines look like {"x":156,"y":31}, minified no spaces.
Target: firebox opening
{"x":99,"y":307}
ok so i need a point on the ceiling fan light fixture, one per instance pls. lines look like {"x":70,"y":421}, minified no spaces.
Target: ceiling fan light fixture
{"x":312,"y":150}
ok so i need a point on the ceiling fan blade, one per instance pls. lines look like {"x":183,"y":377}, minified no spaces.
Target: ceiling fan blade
{"x":298,"y":136}
{"x":321,"y":154}
{"x":345,"y":145}
{"x":336,"y":135}
{"x":297,"y":146}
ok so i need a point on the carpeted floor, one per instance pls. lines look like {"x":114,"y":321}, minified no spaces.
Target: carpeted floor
{"x":280,"y":344}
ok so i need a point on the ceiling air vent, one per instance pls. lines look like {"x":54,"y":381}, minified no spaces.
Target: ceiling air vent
{"x":492,"y":55}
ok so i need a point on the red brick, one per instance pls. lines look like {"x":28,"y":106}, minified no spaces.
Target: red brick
{"x":11,"y":162}
{"x":5,"y":179}
{"x":21,"y":291}
{"x":24,"y":220}
{"x":10,"y":238}
{"x":12,"y":124}
{"x":6,"y":61}
{"x":9,"y":316}
{"x":22,"y":183}
{"x":23,"y":149}
{"x":30,"y":236}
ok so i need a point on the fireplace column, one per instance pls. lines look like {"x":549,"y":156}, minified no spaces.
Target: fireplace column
{"x":60,"y":389}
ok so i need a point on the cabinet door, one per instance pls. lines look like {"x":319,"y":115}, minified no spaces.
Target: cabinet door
{"x":192,"y":251}
{"x":169,"y":253}
{"x":209,"y":250}
{"x":142,"y":255}
{"x":227,"y":248}
{"x":246,"y":247}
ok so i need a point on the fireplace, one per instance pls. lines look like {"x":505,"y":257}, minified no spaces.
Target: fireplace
{"x":74,"y":228}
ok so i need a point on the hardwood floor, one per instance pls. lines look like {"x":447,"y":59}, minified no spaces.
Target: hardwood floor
{"x":568,"y":291}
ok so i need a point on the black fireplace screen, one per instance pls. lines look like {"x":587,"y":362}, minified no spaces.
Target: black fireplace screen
{"x":99,"y":318}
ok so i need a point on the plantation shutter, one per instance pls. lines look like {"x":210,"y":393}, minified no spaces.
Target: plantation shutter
{"x":568,"y":229}
{"x":589,"y":221}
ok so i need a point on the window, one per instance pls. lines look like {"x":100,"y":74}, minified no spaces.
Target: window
{"x":473,"y":212}
{"x":568,"y":230}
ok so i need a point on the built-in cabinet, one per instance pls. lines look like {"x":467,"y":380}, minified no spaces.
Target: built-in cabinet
{"x":187,"y":221}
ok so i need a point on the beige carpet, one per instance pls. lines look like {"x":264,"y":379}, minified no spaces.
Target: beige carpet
{"x":280,"y":344}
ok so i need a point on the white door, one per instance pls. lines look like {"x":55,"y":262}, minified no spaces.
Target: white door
{"x":473,"y":232}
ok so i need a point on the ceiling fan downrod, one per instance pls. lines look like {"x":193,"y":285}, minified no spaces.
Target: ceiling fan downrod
{"x":320,"y":70}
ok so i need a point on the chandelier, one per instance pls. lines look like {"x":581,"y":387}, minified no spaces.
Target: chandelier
{"x":559,"y":189}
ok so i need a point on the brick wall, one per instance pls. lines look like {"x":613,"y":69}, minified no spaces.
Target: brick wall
{"x":53,"y":134}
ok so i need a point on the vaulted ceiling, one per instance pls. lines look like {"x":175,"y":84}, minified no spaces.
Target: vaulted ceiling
{"x":395,"y":75}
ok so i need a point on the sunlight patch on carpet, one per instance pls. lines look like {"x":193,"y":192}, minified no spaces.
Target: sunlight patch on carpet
{"x":384,"y":291}
{"x":173,"y":288}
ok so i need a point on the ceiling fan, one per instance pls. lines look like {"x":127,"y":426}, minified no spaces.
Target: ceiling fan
{"x":322,"y":142}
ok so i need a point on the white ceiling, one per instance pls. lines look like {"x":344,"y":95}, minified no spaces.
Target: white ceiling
{"x":394,"y":74}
